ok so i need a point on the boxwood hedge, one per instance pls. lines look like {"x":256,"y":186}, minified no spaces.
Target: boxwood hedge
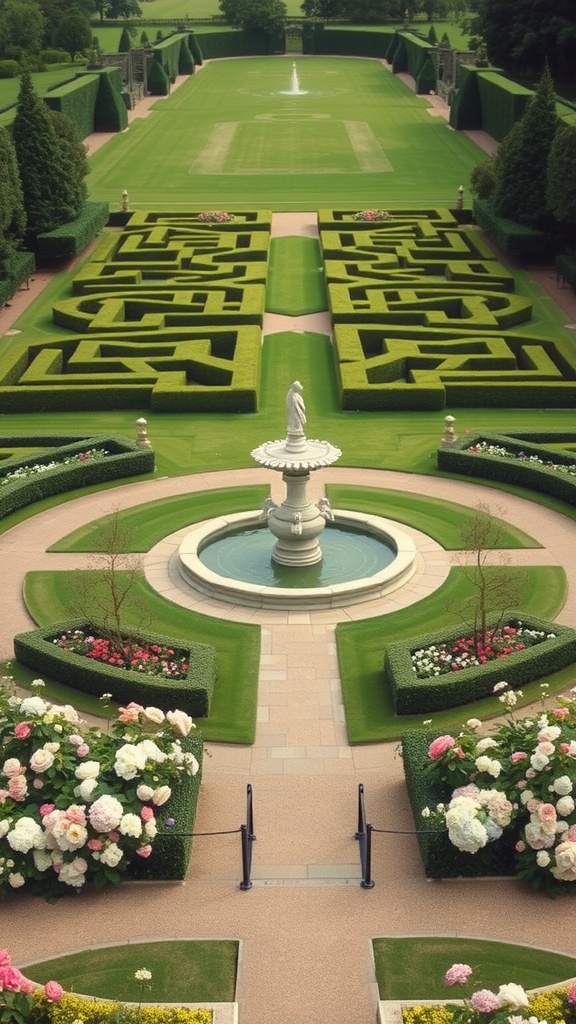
{"x":411,"y":695}
{"x":457,"y":458}
{"x":125,"y":458}
{"x":192,"y":694}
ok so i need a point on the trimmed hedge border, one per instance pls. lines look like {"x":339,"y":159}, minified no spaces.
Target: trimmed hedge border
{"x":191,"y":694}
{"x":125,"y":459}
{"x":411,"y":695}
{"x":71,"y":238}
{"x":440,"y":858}
{"x":18,"y":268}
{"x":515,"y":239}
{"x":456,"y":459}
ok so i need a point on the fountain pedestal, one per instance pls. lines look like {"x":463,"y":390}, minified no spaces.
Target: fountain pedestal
{"x":297,"y":522}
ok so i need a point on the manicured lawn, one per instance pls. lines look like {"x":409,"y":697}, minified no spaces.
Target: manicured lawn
{"x":352,"y":139}
{"x":296,"y":285}
{"x":370,"y":716}
{"x":192,"y":971}
{"x":232,"y":716}
{"x":414,"y":967}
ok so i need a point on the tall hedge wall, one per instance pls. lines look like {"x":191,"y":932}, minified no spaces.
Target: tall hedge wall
{"x":110,"y":114}
{"x":77,"y":100}
{"x":232,"y":42}
{"x":348,"y":43}
{"x":502,"y":102}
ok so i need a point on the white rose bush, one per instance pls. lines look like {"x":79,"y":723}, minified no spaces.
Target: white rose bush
{"x":79,"y":804}
{"x":518,"y":782}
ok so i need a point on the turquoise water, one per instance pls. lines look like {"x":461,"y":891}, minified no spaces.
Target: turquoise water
{"x":347,"y":554}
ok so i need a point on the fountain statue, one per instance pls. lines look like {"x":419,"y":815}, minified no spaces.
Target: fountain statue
{"x":296,"y":523}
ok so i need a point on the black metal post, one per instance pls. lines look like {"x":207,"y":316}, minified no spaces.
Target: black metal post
{"x":247,"y":837}
{"x":367,"y":882}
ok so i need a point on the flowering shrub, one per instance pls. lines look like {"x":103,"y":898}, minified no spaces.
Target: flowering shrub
{"x":521,"y":777}
{"x":440,"y":659}
{"x":484,"y":448}
{"x":215,"y":217}
{"x":371,"y":215}
{"x":510,"y":1005}
{"x":73,"y":1008}
{"x":16,"y":992}
{"x":23,"y":472}
{"x":152,"y":660}
{"x":77,"y":804}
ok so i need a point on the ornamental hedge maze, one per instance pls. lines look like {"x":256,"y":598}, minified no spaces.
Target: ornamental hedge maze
{"x":166,"y":314}
{"x":425,"y":316}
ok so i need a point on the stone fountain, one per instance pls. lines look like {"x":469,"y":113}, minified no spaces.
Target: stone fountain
{"x":298,"y":522}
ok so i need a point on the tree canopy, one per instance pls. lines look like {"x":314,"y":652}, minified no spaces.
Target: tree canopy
{"x":267,"y":16}
{"x":74,"y":33}
{"x":521,"y":35}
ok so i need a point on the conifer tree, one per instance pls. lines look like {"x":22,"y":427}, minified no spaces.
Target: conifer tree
{"x":12,"y":215}
{"x":522,"y":160}
{"x":561,"y":185}
{"x":49,"y":180}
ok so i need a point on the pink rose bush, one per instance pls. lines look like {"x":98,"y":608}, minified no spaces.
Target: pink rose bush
{"x":66,"y":818}
{"x":16,"y":992}
{"x":518,"y":782}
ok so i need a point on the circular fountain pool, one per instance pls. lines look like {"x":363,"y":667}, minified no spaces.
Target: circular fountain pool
{"x":363,"y":556}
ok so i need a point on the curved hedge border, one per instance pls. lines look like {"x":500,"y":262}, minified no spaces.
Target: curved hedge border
{"x":440,"y":858}
{"x":412,"y":696}
{"x":125,"y":459}
{"x":457,"y":459}
{"x":191,"y":694}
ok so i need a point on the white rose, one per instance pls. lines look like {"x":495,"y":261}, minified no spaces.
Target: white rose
{"x":23,"y":836}
{"x":86,"y":789}
{"x":180,"y":721}
{"x":151,"y":751}
{"x":565,"y":806}
{"x":512,"y":995}
{"x":129,"y":761}
{"x":33,"y":706}
{"x":11,"y":767}
{"x":526,"y":796}
{"x":4,"y":828}
{"x":161,"y":795}
{"x":42,"y":860}
{"x":150,"y":829}
{"x":111,"y":855}
{"x":539,"y":761}
{"x":74,"y":837}
{"x":52,"y":747}
{"x":88,"y":770}
{"x":41,"y":760}
{"x":474,"y":723}
{"x":73,"y":872}
{"x":562,"y":785}
{"x":131,"y":825}
{"x":542,"y":858}
{"x":15,"y":879}
{"x":154,"y":715}
{"x":486,"y":744}
{"x":549,"y":732}
{"x":468,"y":835}
{"x":565,"y":869}
{"x":144,"y":793}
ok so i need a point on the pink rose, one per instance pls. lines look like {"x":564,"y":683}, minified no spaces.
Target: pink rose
{"x":144,"y":851}
{"x":94,"y":844}
{"x":560,"y":712}
{"x":4,"y":958}
{"x":82,"y":749}
{"x":518,"y":755}
{"x":22,"y":731}
{"x":564,"y":747}
{"x":76,"y":814}
{"x":520,"y":846}
{"x":53,"y":991}
{"x":17,"y":787}
{"x":571,"y":995}
{"x":45,"y":809}
{"x":147,"y":814}
{"x":113,"y":837}
{"x":130,"y":713}
{"x":439,"y":746}
{"x":13,"y":980}
{"x":547,"y":812}
{"x":458,"y":974}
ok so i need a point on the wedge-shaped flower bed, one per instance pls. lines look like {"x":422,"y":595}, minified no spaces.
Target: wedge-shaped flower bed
{"x":514,"y":460}
{"x":191,"y":694}
{"x":412,"y":695}
{"x":65,"y":468}
{"x":440,"y":858}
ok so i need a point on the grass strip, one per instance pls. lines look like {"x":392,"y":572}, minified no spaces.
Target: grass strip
{"x":232,"y":716}
{"x":295,"y":284}
{"x":151,"y":522}
{"x":191,"y":971}
{"x":370,"y":716}
{"x":439,"y":519}
{"x":414,"y":967}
